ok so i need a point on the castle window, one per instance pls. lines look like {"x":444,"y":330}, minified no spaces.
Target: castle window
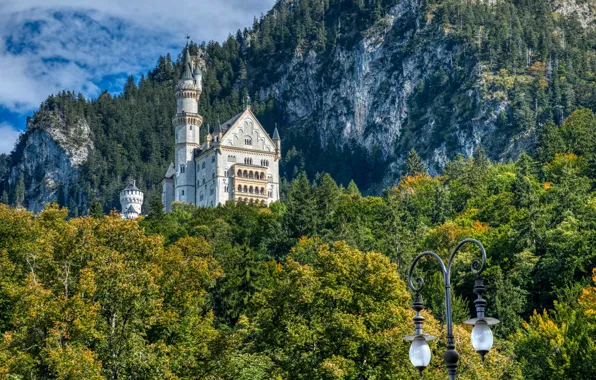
{"x":213,"y":158}
{"x":201,"y":197}
{"x":225,"y":189}
{"x":225,"y":173}
{"x":203,"y":165}
{"x":270,"y":194}
{"x":239,"y":174}
{"x":245,"y":189}
{"x":213,"y":174}
{"x":182,"y":169}
{"x":203,"y":180}
{"x":248,"y":161}
{"x":262,"y":176}
{"x":182,"y":193}
{"x":212,"y":190}
{"x":231,"y":158}
{"x":240,"y":188}
{"x":191,"y":127}
{"x":248,"y":140}
{"x":250,"y":174}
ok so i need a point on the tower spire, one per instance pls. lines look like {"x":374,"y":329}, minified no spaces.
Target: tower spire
{"x":187,"y":64}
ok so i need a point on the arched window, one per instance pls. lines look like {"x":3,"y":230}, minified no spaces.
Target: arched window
{"x":225,"y":173}
{"x":239,"y":174}
{"x":262,"y":191}
{"x":250,"y":189}
{"x":270,"y":194}
{"x":240,"y":188}
{"x":225,"y":189}
{"x":245,"y":174}
{"x":245,"y":189}
{"x":248,"y":140}
{"x":250,"y":174}
{"x":262,"y":175}
{"x":182,"y":169}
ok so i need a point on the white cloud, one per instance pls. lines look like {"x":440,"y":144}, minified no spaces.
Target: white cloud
{"x":51,"y":45}
{"x":8,"y":137}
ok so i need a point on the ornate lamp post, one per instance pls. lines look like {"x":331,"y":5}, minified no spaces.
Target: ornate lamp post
{"x":482,"y":337}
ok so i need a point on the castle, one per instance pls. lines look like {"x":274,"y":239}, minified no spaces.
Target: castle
{"x":238,"y":161}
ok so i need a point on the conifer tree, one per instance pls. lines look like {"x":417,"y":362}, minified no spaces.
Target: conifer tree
{"x":96,"y":210}
{"x":414,"y":164}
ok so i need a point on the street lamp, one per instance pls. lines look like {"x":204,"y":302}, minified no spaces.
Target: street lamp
{"x":482,"y":336}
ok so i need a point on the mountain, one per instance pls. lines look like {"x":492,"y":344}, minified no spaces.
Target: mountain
{"x":352,"y":85}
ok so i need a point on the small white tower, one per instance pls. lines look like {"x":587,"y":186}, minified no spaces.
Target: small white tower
{"x":131,"y":200}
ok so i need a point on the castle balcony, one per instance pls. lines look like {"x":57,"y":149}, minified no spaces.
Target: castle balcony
{"x":250,"y":183}
{"x":187,"y":118}
{"x":250,"y":173}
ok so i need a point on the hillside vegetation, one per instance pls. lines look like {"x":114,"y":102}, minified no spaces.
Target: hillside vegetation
{"x":313,"y":286}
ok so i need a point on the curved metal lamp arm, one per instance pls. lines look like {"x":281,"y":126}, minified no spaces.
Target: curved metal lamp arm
{"x":477,"y":265}
{"x":420,"y":280}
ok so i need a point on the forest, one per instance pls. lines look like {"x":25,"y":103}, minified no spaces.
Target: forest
{"x":313,"y":287}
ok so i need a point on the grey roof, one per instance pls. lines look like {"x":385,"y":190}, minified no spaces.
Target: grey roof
{"x":130,"y":209}
{"x":228,"y":124}
{"x":276,"y":134}
{"x":131,"y":186}
{"x":187,"y":66}
{"x":171,"y":171}
{"x":197,"y":71}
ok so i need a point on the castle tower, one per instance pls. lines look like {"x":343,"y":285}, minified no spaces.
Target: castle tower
{"x":131,"y":200}
{"x":277,"y":142}
{"x":187,"y":124}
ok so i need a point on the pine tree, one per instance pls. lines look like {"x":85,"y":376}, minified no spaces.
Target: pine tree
{"x":96,"y":210}
{"x":414,"y":164}
{"x":352,"y":189}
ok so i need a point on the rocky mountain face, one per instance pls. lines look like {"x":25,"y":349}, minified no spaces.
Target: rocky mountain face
{"x":51,"y":154}
{"x":352,"y":85}
{"x":440,"y":88}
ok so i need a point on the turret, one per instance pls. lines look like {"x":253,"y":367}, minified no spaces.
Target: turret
{"x":198,"y":75}
{"x":131,"y":200}
{"x":277,"y":142}
{"x":188,"y":91}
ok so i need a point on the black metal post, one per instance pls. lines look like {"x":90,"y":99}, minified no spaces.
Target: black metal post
{"x":451,"y":357}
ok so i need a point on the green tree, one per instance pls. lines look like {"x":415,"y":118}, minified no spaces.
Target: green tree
{"x":96,"y":210}
{"x":414,"y":164}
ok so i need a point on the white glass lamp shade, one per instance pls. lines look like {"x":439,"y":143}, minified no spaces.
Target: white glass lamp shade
{"x":419,"y":353}
{"x":482,"y":337}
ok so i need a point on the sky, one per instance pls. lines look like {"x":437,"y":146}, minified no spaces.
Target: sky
{"x":85,"y":46}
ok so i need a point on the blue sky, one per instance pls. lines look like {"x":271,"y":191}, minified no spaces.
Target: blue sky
{"x":47,"y":46}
